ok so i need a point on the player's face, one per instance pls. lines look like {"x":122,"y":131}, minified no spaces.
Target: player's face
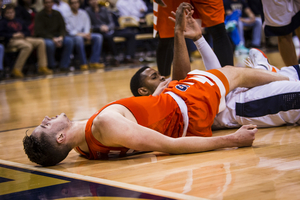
{"x":53,"y":125}
{"x":153,"y":79}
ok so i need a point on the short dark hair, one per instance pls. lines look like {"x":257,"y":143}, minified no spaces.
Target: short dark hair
{"x":137,"y":81}
{"x":21,"y":2}
{"x":52,"y":1}
{"x":69,"y":2}
{"x":43,"y":151}
{"x":8,"y":7}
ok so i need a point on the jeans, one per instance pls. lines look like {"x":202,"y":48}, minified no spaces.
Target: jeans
{"x":256,"y":32}
{"x":67,"y":49}
{"x":1,"y":56}
{"x":96,"y":42}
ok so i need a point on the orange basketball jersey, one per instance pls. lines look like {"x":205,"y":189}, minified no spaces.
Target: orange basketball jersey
{"x":211,"y":13}
{"x":186,"y":108}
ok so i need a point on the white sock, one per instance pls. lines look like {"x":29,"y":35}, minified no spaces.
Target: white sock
{"x":210,"y":59}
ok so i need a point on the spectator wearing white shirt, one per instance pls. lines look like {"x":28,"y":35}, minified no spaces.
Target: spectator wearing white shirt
{"x":78,"y":26}
{"x":62,"y":7}
{"x":102,"y":22}
{"x":133,"y":8}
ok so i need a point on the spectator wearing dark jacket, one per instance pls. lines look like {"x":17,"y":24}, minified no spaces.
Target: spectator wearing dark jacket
{"x":50,"y":25}
{"x":27,"y":13}
{"x":16,"y":35}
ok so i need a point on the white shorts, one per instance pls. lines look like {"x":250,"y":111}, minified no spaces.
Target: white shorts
{"x":274,"y":104}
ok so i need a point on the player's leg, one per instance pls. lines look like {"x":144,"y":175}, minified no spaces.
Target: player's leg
{"x":246,"y":77}
{"x":274,"y":104}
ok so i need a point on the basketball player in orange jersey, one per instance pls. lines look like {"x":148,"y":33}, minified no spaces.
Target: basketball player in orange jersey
{"x":270,"y":105}
{"x":152,"y":123}
{"x":210,"y":12}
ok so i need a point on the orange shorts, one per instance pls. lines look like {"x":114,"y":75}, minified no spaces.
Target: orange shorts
{"x":211,"y":12}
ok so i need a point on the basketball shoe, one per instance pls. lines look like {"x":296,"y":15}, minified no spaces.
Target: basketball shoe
{"x":258,"y":59}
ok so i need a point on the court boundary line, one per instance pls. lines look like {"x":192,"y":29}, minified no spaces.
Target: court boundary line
{"x":127,"y":186}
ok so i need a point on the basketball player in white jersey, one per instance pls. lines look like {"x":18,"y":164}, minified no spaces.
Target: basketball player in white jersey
{"x":274,"y":104}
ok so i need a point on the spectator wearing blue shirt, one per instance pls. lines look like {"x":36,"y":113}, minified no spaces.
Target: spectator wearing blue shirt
{"x":247,"y":19}
{"x":78,"y":26}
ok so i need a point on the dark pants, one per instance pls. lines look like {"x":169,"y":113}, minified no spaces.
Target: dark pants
{"x":221,"y":43}
{"x":130,"y":42}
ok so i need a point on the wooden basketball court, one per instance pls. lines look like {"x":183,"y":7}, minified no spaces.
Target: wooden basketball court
{"x":268,"y":170}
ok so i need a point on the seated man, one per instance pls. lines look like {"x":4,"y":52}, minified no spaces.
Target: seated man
{"x":243,"y":106}
{"x":50,"y":25}
{"x":102,"y":22}
{"x":16,"y":35}
{"x":133,"y":8}
{"x":62,"y":7}
{"x":247,"y":19}
{"x":78,"y":26}
{"x":152,"y":123}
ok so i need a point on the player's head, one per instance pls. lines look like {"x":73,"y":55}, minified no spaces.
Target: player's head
{"x":47,"y":145}
{"x":145,"y":81}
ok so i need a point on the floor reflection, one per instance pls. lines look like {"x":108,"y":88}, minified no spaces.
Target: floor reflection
{"x":43,"y":186}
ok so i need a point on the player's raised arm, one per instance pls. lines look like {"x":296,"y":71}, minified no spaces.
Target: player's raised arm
{"x":186,"y":26}
{"x":181,"y":60}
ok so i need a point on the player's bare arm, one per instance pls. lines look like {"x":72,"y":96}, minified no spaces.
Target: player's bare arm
{"x":113,"y":128}
{"x":181,"y":61}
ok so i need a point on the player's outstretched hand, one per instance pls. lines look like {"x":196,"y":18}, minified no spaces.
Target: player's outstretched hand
{"x":245,"y":135}
{"x":185,"y":21}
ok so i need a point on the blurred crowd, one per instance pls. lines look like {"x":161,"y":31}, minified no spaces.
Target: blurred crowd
{"x":58,"y":36}
{"x":55,"y":36}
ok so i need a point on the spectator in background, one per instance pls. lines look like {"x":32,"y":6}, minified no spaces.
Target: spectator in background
{"x":1,"y":4}
{"x":78,"y":26}
{"x":16,"y":35}
{"x":50,"y":25}
{"x":281,"y":19}
{"x":247,"y":19}
{"x":62,"y":7}
{"x":26,"y":12}
{"x":102,"y":22}
{"x":133,"y":8}
{"x":231,"y":21}
{"x":256,"y":7}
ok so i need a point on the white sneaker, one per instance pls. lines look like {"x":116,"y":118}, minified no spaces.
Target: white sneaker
{"x":258,"y":59}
